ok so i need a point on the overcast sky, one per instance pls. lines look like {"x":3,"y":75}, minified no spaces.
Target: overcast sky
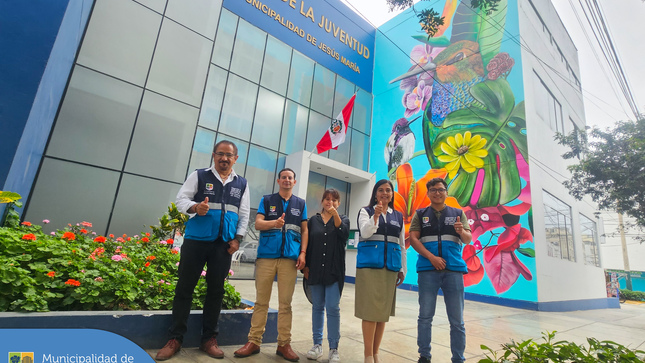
{"x":604,"y":103}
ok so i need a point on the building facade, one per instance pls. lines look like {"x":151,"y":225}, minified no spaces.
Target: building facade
{"x":135,"y":94}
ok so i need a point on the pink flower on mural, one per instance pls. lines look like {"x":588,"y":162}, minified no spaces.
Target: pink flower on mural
{"x":500,"y":65}
{"x":473,"y":263}
{"x":420,"y":56}
{"x":417,"y":99}
{"x":502,"y":265}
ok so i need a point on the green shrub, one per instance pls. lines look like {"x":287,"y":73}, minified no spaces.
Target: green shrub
{"x":529,"y":351}
{"x":632,"y":295}
{"x":74,"y":269}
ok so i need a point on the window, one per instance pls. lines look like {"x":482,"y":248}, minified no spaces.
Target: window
{"x":318,"y":183}
{"x":589,"y":235}
{"x":547,"y":106}
{"x":557,"y":223}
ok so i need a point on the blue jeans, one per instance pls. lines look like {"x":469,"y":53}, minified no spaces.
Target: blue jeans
{"x":326,"y":298}
{"x":452,"y":285}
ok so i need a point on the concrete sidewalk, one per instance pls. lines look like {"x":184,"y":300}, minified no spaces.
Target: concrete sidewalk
{"x":486,"y":324}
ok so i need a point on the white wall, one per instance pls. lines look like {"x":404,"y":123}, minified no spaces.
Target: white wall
{"x":558,"y":279}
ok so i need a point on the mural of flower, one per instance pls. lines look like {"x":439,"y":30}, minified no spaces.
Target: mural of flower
{"x":417,"y":99}
{"x":473,"y":263}
{"x":500,"y":65}
{"x":502,"y":265}
{"x":463,"y":151}
{"x":411,"y":195}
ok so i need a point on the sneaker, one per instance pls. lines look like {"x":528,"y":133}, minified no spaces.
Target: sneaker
{"x":315,"y":352}
{"x":334,"y":357}
{"x":423,"y":359}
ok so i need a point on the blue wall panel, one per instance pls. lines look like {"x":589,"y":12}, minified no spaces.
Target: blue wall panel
{"x":28,"y":30}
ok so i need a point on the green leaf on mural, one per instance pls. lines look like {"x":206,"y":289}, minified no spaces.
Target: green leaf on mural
{"x":441,"y":41}
{"x":478,"y":25}
{"x":502,"y":124}
{"x":528,"y":252}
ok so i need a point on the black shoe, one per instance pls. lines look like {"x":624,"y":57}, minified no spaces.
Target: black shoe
{"x":423,"y":359}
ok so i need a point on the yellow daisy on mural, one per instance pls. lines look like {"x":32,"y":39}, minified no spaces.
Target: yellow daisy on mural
{"x":465,"y":151}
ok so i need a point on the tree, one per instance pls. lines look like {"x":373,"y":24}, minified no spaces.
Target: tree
{"x":611,"y":167}
{"x":430,"y":20}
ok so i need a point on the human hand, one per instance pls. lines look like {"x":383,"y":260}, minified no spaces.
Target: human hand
{"x":438,"y":263}
{"x":332,"y":211}
{"x":305,"y":271}
{"x":280,"y":221}
{"x":233,"y":245}
{"x":399,"y":278}
{"x":300,"y":263}
{"x":459,"y":227}
{"x":378,"y":210}
{"x":202,"y":208}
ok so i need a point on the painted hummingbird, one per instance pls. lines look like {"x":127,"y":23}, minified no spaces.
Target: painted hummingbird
{"x":399,"y":147}
{"x":454,"y":71}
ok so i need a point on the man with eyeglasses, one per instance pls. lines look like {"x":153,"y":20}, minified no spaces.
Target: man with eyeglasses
{"x":218,"y":202}
{"x":437,"y":233}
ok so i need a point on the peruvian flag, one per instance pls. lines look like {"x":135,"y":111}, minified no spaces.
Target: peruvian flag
{"x":335,"y":135}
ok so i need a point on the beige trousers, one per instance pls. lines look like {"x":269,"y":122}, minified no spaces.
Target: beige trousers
{"x":265,"y":271}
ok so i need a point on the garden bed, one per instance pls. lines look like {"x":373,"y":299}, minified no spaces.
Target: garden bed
{"x":148,"y":329}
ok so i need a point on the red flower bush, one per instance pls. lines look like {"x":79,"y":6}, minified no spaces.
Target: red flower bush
{"x":73,"y":282}
{"x":29,"y":237}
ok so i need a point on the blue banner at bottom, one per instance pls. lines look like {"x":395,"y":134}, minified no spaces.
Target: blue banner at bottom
{"x":68,"y":346}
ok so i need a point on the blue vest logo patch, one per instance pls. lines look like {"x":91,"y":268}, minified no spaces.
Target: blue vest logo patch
{"x":426,"y":220}
{"x":451,"y":221}
{"x":209,"y":186}
{"x":395,"y":223}
{"x":236,"y":193}
{"x":295,"y":212}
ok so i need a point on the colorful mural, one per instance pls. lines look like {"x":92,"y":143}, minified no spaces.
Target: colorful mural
{"x":453,"y":106}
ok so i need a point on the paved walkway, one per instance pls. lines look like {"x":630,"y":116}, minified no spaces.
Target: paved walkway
{"x":486,"y":324}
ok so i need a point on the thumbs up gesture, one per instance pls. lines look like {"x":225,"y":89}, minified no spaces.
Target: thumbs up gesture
{"x":280,"y":221}
{"x":202,"y":208}
{"x":378,"y":210}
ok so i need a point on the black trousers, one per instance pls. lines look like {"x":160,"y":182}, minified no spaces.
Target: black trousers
{"x":194,"y":255}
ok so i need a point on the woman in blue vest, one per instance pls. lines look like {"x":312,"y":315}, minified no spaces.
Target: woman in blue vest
{"x":380,"y":265}
{"x":325,"y":272}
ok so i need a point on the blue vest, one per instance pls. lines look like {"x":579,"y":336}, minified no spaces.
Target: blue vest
{"x":224,"y":202}
{"x":382,"y":249}
{"x":439,"y":237}
{"x":285,"y":242}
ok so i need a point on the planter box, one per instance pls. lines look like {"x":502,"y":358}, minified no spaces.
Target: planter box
{"x":148,"y":329}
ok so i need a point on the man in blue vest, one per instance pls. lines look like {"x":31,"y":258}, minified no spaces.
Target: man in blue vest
{"x":218,"y":202}
{"x":282,"y":222}
{"x":437,"y":233}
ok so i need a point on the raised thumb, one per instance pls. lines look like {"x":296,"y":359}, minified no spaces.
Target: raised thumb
{"x":205,"y":200}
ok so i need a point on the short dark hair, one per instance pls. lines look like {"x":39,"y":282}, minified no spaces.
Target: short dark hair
{"x":287,"y":169}
{"x":376,"y":186}
{"x":225,"y":142}
{"x":434,"y":181}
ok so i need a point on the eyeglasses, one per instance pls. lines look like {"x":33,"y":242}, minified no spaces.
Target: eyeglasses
{"x":220,"y":154}
{"x":435,"y":191}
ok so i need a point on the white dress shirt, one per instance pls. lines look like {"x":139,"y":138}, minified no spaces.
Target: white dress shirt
{"x":189,"y":189}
